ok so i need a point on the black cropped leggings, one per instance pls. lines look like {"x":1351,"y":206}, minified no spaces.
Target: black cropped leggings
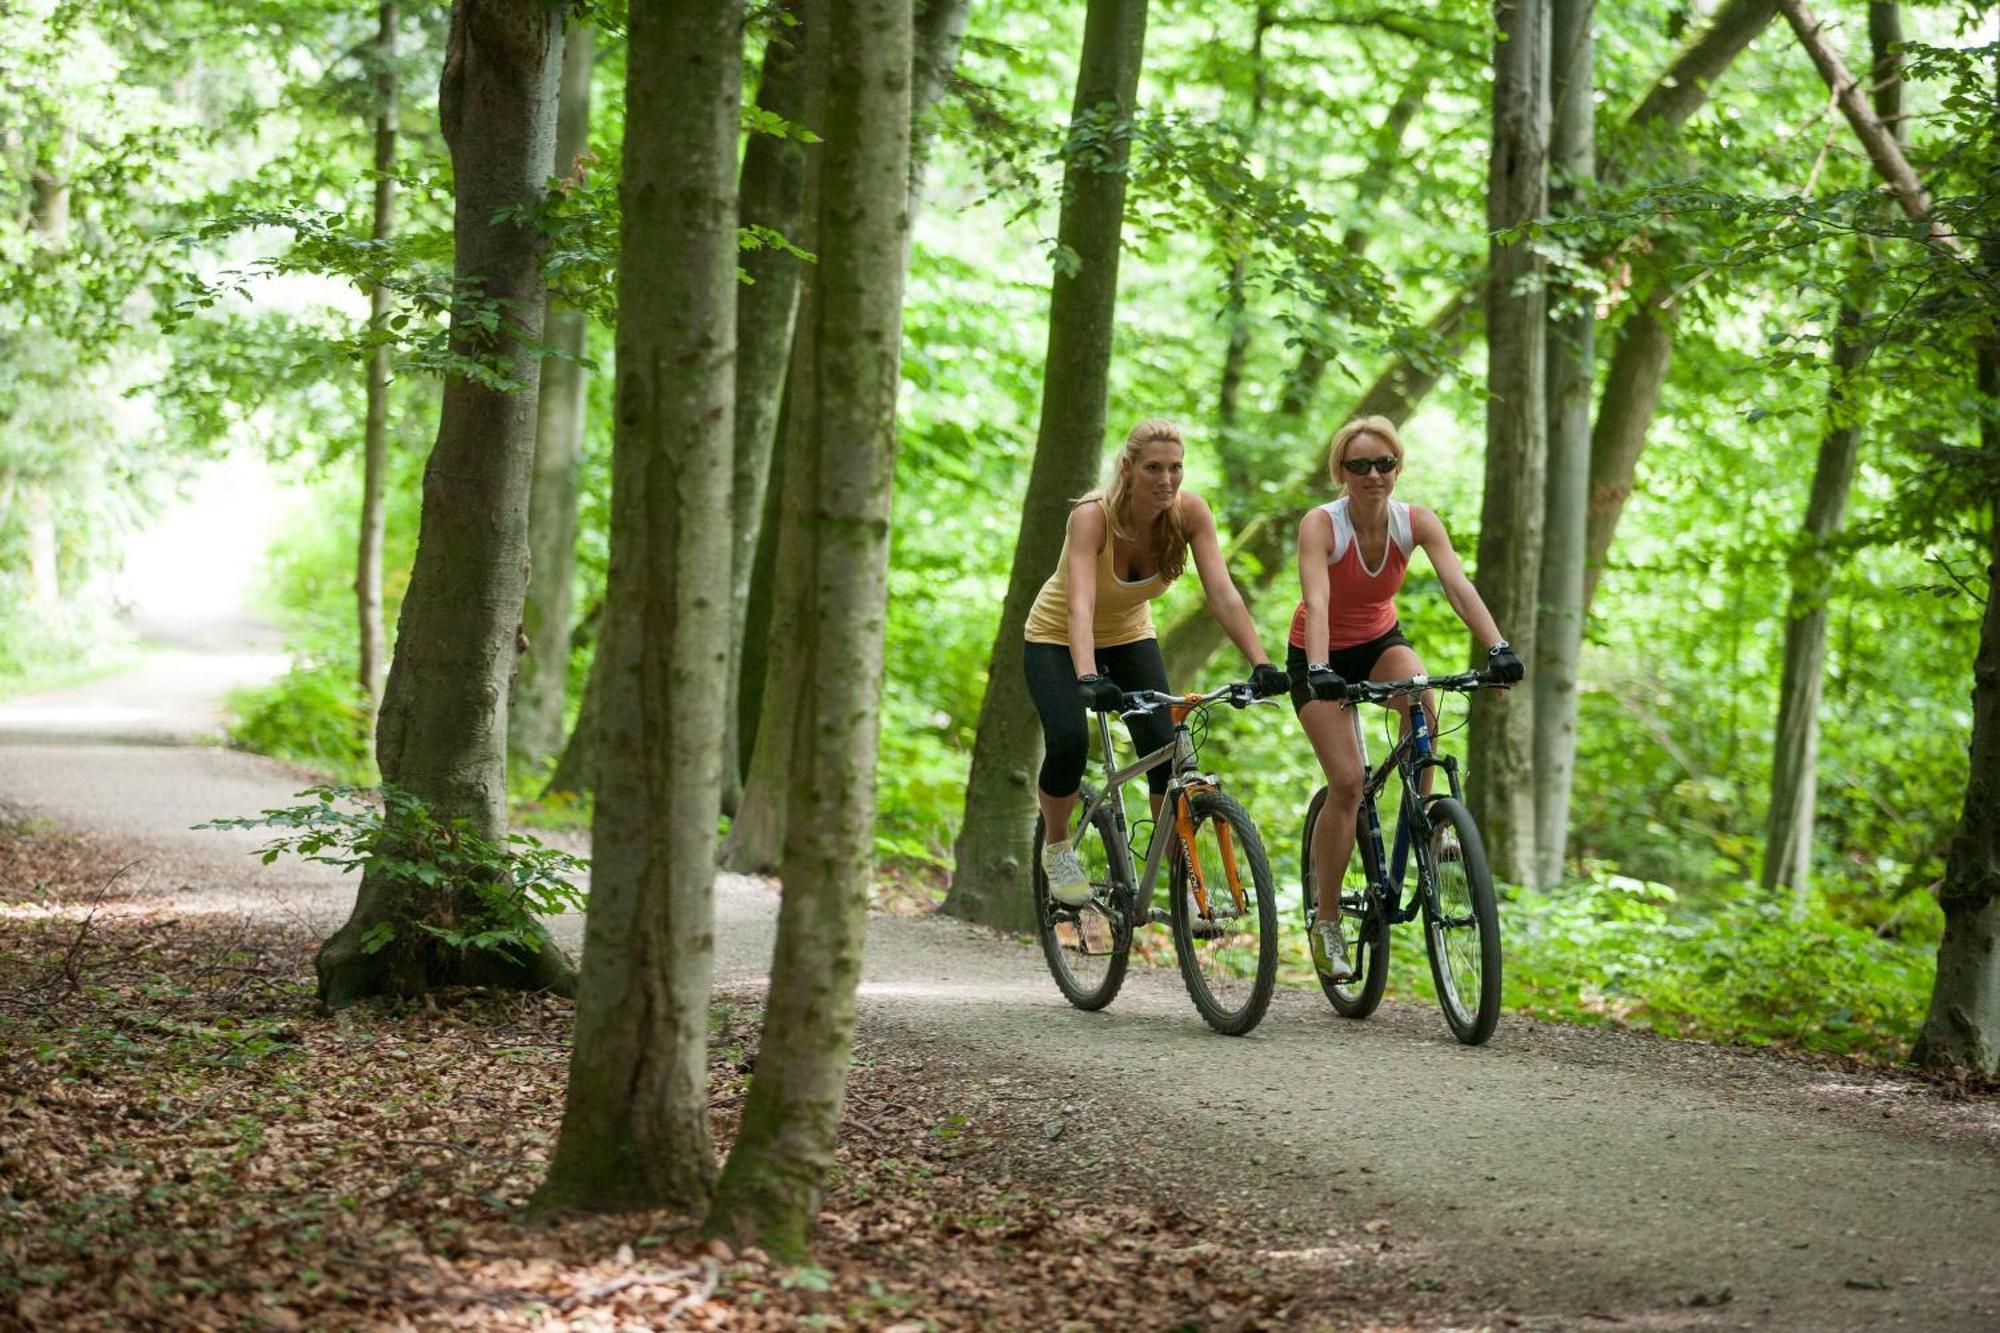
{"x":1052,"y":685}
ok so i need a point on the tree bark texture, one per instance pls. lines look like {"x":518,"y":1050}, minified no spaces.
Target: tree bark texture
{"x":774,"y":193}
{"x":990,"y":873}
{"x":758,"y":811}
{"x":1502,"y":739}
{"x":375,"y":432}
{"x":1788,"y":821}
{"x":535,"y":713}
{"x":1262,"y":550}
{"x":441,"y":734}
{"x":1962,"y":1027}
{"x":635,"y":1125}
{"x":1572,"y":367}
{"x":777,"y":1170}
{"x":756,"y":842}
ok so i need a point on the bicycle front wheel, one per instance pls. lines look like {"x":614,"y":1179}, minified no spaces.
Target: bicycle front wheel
{"x":1462,"y":923}
{"x":1362,"y":922}
{"x":1087,"y":948}
{"x":1224,"y":914}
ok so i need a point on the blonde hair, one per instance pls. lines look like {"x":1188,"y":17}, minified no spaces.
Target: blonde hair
{"x":1168,"y":538}
{"x":1343,"y":439}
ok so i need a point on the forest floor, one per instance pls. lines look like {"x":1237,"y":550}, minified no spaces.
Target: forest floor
{"x":186,"y":1141}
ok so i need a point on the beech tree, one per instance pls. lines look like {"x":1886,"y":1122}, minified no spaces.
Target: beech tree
{"x":535,"y":708}
{"x":375,"y":432}
{"x":773,"y":196}
{"x":1788,"y":823}
{"x":442,"y":731}
{"x":771,"y":1187}
{"x":769,"y":707}
{"x":1502,"y":741}
{"x":989,"y":880}
{"x":1571,"y":369}
{"x":635,"y":1121}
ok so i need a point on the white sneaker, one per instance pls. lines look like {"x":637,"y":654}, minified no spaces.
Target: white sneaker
{"x":1068,"y":884}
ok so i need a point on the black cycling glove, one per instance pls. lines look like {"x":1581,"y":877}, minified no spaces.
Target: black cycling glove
{"x":1504,"y":665}
{"x":1100,"y":693}
{"x":1325,"y":682}
{"x":1268,"y":681}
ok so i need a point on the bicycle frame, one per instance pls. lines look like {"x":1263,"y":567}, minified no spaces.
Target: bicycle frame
{"x":1182,"y":777}
{"x":1411,"y":755}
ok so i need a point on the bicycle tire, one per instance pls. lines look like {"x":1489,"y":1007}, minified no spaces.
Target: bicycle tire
{"x":1362,"y":920}
{"x":1214,"y":950}
{"x":1462,"y":903}
{"x":1073,"y":937}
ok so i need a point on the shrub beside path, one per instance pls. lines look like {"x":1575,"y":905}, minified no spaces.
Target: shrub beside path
{"x":1560,"y":1177}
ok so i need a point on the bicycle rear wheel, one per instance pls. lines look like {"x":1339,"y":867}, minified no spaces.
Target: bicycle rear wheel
{"x":1362,"y":921}
{"x":1462,"y":923}
{"x":1087,"y":948}
{"x":1228,"y":948}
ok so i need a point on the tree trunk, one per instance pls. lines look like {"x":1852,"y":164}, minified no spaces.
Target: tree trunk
{"x":1572,"y":366}
{"x":990,"y":876}
{"x":1238,"y":483}
{"x":1640,"y":355}
{"x":777,"y":1170}
{"x":757,"y":831}
{"x":757,"y":827}
{"x":940,"y":26}
{"x":375,"y":434}
{"x":576,"y":772}
{"x":1962,"y":1027}
{"x":442,"y":730}
{"x":535,"y":712}
{"x":1262,"y":550}
{"x":1788,"y":824}
{"x":1502,"y":740}
{"x":755,"y":649}
{"x":635,"y":1124}
{"x":774,"y":195}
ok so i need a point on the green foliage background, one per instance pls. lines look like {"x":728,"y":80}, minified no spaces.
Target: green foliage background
{"x":213,"y":282}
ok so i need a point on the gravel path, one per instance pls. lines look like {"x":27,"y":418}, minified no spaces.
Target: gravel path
{"x":1557,"y":1178}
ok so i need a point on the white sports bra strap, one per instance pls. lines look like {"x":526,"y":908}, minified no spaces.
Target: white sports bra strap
{"x":1343,"y":529}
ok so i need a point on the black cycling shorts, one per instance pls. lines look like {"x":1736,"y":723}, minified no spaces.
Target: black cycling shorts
{"x":1354,"y":662}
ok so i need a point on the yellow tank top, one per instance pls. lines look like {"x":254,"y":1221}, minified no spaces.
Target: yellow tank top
{"x":1123,"y":615}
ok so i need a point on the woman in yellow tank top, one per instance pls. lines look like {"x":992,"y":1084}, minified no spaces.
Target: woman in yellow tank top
{"x":1090,"y":634}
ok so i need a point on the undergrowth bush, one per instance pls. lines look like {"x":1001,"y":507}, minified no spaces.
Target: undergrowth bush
{"x":314,"y":715}
{"x":465,"y":891}
{"x":1733,"y":966}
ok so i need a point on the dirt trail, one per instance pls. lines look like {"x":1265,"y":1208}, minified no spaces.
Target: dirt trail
{"x":1561,"y":1178}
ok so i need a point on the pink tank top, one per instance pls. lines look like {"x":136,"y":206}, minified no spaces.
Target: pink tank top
{"x":1361,"y":598}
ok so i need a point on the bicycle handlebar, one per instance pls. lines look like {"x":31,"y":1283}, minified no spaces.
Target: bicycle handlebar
{"x":1237,"y":694}
{"x":1381,"y":691}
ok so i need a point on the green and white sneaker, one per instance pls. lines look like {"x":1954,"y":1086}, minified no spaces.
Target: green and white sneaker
{"x":1329,"y":949}
{"x":1068,"y":884}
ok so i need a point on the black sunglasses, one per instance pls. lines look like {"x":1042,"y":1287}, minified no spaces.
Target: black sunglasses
{"x":1360,"y":466}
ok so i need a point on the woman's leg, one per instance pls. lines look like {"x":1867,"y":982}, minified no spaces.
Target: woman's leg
{"x":1052,"y":688}
{"x":1137,"y":667}
{"x":1331,"y":731}
{"x":1400,"y":663}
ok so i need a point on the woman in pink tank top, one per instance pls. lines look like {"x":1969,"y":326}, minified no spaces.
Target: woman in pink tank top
{"x":1353,"y":553}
